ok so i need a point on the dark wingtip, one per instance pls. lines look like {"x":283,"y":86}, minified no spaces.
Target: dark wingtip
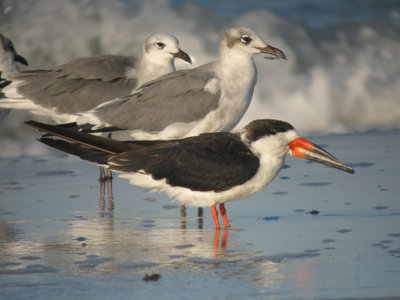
{"x":32,"y":123}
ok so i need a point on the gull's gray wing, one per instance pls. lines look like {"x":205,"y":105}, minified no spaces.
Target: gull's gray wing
{"x":80,"y":84}
{"x":175,"y":97}
{"x":208,"y":162}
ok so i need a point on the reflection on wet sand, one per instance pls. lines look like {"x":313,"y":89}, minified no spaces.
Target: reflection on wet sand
{"x":101,"y":242}
{"x":110,"y":197}
{"x":106,"y":184}
{"x":199,"y":216}
{"x":217,"y":245}
{"x":224,"y":242}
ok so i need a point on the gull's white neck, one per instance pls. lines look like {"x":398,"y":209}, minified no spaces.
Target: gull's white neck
{"x":236,"y":71}
{"x":235,"y":57}
{"x":152,"y":67}
{"x":238,"y":76}
{"x":7,"y":64}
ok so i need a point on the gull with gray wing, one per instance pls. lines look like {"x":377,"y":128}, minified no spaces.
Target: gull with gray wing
{"x":9,"y":59}
{"x":209,"y":98}
{"x":83,"y":83}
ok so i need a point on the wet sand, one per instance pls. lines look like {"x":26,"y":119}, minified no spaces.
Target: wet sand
{"x":313,"y":233}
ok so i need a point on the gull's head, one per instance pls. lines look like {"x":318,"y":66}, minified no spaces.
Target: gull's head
{"x":164,"y":47}
{"x":273,"y":139}
{"x":8,"y":55}
{"x":246,"y":43}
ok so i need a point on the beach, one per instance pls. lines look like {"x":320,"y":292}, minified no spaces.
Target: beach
{"x":313,"y":233}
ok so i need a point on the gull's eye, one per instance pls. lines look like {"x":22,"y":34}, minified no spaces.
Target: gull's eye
{"x":160,"y":45}
{"x":245,"y":39}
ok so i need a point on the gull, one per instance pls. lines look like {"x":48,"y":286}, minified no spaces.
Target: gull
{"x":83,"y":83}
{"x":8,"y":63}
{"x":204,"y":170}
{"x":9,"y":56}
{"x":210,"y":98}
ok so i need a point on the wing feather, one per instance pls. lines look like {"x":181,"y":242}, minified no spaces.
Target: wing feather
{"x":175,"y":97}
{"x":209,"y":162}
{"x":88,"y":81}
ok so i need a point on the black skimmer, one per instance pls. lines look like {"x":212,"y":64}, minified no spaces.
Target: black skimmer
{"x":204,"y":170}
{"x":84,"y":83}
{"x":209,"y":98}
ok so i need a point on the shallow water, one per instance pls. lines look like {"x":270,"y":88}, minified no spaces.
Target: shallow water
{"x":314,"y":232}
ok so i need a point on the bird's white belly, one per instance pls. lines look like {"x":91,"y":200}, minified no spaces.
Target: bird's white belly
{"x":265,"y":174}
{"x":27,"y":104}
{"x":15,"y":100}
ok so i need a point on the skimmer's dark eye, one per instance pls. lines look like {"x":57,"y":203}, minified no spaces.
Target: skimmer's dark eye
{"x":246,"y":39}
{"x":160,"y":45}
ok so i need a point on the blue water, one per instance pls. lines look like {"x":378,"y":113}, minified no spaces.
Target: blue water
{"x":317,"y":15}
